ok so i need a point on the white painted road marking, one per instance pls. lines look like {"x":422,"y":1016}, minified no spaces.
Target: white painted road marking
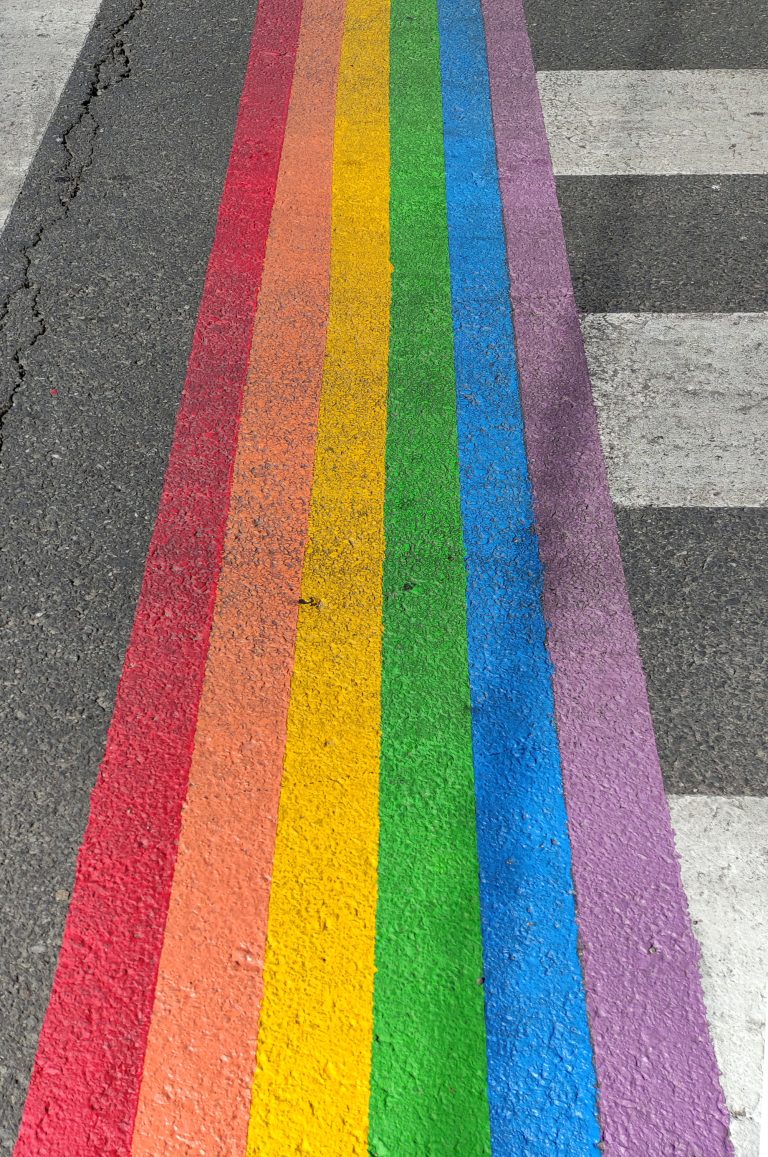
{"x":39,"y":43}
{"x":764,"y":1096}
{"x":656,"y":122}
{"x":683,"y":406}
{"x":723,"y":845}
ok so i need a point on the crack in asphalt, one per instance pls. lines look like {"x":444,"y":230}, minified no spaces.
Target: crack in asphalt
{"x":78,"y":141}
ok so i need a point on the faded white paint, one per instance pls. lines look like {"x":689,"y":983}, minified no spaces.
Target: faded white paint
{"x":723,"y":845}
{"x":683,"y":406}
{"x":764,"y":1099}
{"x":39,"y":43}
{"x":656,"y":122}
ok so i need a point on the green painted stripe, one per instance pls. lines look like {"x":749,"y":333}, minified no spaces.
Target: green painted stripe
{"x":428,"y":1081}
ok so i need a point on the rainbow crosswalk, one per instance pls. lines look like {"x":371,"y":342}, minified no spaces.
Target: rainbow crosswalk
{"x":371,"y":868}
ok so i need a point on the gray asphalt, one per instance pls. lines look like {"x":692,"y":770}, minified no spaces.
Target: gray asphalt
{"x":649,"y":33}
{"x":698,"y":582}
{"x":667,"y":244}
{"x":101,"y":271}
{"x":660,"y":244}
{"x":116,"y":219}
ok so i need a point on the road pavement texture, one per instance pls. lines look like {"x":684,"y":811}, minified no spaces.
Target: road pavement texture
{"x":297,"y":432}
{"x":655,"y":115}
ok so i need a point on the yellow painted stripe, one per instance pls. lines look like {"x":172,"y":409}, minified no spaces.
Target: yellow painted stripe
{"x":311,"y":1087}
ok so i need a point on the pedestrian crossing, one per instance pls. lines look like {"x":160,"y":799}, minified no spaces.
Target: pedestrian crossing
{"x":39,"y":43}
{"x":656,"y":123}
{"x":683,"y":406}
{"x":722,"y":843}
{"x":655,"y":118}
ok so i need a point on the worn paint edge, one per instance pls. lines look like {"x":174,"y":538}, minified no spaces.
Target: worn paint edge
{"x":312,"y":1082}
{"x":541,"y":1077}
{"x":85,"y":1081}
{"x":429,"y":1072}
{"x":658,"y":1078}
{"x":210,"y":984}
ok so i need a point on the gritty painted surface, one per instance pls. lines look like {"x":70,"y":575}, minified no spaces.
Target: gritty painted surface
{"x":428,"y":946}
{"x":656,"y":122}
{"x":538,"y":1037}
{"x":39,"y":41}
{"x":683,"y":406}
{"x":659,"y":1086}
{"x":723,"y":845}
{"x":323,"y":1046}
{"x":311,"y":1087}
{"x":210,"y":983}
{"x":85,"y":1082}
{"x":119,"y":274}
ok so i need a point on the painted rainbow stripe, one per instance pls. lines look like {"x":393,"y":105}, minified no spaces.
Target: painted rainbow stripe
{"x":325,"y":902}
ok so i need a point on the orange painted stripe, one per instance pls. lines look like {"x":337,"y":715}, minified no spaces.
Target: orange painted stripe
{"x":311,"y":1088}
{"x":196,"y":1089}
{"x":85,"y":1083}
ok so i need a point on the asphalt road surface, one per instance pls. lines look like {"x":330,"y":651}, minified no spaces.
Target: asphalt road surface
{"x":428,"y":885}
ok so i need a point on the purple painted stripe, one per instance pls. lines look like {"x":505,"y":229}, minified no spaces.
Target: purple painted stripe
{"x":659,"y":1085}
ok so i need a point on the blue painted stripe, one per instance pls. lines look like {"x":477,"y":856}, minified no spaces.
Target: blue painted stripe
{"x":541,"y":1076}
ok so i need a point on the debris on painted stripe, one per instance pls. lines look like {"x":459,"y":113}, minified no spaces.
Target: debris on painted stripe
{"x":376,"y":704}
{"x":210,"y":981}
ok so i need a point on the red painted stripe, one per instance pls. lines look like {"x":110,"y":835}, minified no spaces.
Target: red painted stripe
{"x":85,"y":1084}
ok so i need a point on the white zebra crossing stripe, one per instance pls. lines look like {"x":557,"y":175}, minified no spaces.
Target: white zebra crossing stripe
{"x":656,"y":122}
{"x":39,"y":42}
{"x":683,"y":402}
{"x":723,"y":843}
{"x":683,"y":406}
{"x":764,"y":1097}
